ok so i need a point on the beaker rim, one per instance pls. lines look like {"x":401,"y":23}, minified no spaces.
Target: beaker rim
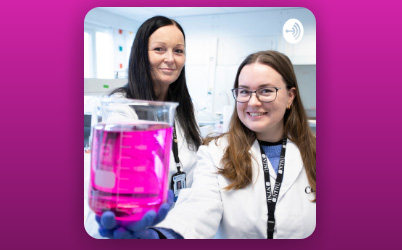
{"x":123,"y":100}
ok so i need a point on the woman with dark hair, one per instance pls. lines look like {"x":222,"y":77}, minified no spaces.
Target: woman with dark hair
{"x":157,"y":73}
{"x":259,"y":179}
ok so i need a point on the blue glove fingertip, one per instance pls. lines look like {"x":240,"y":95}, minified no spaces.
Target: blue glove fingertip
{"x":170,"y":199}
{"x":122,"y":233}
{"x":108,"y":220}
{"x":106,"y":233}
{"x":163,"y":211}
{"x":148,"y":218}
{"x":145,"y":222}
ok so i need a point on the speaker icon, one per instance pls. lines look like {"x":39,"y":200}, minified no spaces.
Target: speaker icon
{"x":293,"y":31}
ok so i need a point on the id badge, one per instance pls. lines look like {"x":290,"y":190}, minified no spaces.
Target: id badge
{"x":178,"y":183}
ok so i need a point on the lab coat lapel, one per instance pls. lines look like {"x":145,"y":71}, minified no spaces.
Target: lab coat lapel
{"x":293,"y":167}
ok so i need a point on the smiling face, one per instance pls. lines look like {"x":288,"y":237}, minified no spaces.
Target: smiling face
{"x":166,"y":51}
{"x":265,"y":119}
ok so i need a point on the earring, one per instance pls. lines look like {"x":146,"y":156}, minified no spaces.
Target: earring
{"x":288,"y":107}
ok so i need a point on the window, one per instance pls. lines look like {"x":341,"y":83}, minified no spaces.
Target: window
{"x":104,"y":55}
{"x":106,"y":52}
{"x":87,"y":55}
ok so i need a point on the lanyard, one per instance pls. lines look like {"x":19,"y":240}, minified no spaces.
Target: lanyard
{"x":178,"y":179}
{"x":272,"y":197}
{"x":176,"y":150}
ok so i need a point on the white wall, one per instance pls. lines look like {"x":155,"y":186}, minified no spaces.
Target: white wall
{"x":216,"y":45}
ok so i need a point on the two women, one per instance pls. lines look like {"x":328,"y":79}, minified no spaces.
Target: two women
{"x":250,"y":182}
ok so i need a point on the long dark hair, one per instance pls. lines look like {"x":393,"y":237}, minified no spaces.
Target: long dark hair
{"x":140,"y":85}
{"x":237,"y":160}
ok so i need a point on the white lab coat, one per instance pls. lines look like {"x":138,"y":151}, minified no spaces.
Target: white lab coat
{"x":187,"y":155}
{"x":207,"y":209}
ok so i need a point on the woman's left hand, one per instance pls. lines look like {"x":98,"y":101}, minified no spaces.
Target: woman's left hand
{"x":111,"y":228}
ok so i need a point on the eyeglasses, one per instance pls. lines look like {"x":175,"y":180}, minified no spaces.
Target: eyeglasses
{"x":267,"y":94}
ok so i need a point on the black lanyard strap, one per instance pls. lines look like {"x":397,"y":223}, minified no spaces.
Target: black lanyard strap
{"x":176,"y":150}
{"x":272,"y":197}
{"x":178,"y":179}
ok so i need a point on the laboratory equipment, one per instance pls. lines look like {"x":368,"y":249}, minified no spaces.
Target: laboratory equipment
{"x":130,"y":157}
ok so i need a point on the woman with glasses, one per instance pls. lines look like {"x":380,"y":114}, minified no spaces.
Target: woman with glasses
{"x":259,"y":179}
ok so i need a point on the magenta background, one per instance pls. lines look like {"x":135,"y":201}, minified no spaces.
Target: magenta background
{"x":358,"y":109}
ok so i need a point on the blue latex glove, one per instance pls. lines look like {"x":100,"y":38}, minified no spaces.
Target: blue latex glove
{"x":111,"y":228}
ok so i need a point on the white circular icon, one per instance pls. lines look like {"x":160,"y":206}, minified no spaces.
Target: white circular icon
{"x":293,"y":31}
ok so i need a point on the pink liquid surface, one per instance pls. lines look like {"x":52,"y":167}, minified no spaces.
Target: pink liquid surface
{"x":129,"y":168}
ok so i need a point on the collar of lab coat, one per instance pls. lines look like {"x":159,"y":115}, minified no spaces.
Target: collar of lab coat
{"x":292,"y":169}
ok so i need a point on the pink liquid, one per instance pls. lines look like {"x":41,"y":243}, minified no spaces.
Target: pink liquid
{"x":129,"y":168}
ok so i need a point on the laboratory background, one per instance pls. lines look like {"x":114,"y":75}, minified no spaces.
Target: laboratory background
{"x":217,"y":41}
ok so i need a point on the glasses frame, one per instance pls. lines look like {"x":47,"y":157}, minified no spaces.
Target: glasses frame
{"x":256,"y":94}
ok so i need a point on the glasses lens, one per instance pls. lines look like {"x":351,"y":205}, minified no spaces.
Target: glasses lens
{"x":242,"y":95}
{"x":264,"y":95}
{"x":267,"y":94}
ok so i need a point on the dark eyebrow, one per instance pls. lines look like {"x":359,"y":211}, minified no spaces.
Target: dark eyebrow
{"x":243,"y":87}
{"x":259,"y":87}
{"x":159,"y":43}
{"x":162,"y":43}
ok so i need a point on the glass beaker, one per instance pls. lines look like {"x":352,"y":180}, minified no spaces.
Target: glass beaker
{"x":130,"y":157}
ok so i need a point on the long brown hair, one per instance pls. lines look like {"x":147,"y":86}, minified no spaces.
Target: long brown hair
{"x":237,"y":160}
